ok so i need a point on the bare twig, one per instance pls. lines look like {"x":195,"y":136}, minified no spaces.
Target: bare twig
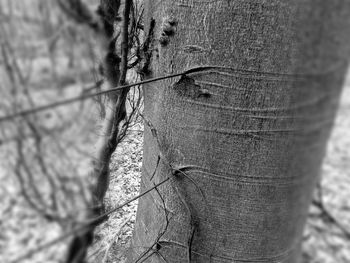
{"x":155,"y":247}
{"x":84,"y":227}
{"x":328,"y":218}
{"x":91,"y":95}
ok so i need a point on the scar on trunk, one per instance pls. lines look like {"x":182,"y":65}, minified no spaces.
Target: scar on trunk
{"x":168,"y":29}
{"x":187,"y":87}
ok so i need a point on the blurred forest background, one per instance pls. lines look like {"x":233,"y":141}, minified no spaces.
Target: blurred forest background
{"x":46,"y":56}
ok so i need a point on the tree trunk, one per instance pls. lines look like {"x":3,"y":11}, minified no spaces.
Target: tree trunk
{"x":243,"y":141}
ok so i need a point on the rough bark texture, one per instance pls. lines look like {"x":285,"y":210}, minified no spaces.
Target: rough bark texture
{"x":250,"y":138}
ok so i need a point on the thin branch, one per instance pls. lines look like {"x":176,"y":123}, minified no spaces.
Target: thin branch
{"x":142,"y":257}
{"x":327,"y":217}
{"x":91,"y":95}
{"x":83,"y":228}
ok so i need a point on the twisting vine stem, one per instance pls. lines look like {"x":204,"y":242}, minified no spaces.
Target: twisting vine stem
{"x":114,"y":70}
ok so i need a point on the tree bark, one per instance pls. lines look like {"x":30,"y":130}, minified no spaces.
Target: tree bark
{"x":243,"y":142}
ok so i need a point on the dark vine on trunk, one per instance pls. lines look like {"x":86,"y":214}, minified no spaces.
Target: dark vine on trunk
{"x":177,"y":174}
